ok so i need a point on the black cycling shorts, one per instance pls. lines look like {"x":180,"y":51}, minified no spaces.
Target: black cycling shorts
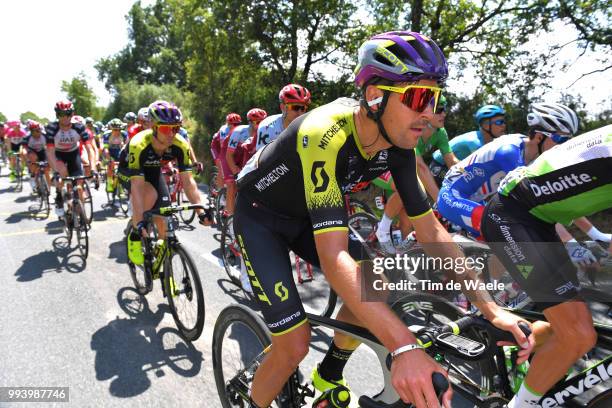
{"x":113,"y":152}
{"x":40,"y":155}
{"x":531,"y":251}
{"x":15,"y":147}
{"x":72,"y":161}
{"x":266,"y":238}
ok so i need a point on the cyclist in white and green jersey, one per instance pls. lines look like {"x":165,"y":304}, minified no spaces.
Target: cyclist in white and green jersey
{"x":567,"y":182}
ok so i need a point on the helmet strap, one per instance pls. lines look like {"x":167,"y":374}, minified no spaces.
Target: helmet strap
{"x":376,"y":116}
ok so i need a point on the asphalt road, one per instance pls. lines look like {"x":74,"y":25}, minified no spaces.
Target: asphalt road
{"x":70,"y":322}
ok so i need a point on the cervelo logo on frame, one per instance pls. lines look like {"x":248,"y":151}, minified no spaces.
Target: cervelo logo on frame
{"x":564,"y":183}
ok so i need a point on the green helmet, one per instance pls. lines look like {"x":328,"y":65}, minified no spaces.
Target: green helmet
{"x":115,"y":123}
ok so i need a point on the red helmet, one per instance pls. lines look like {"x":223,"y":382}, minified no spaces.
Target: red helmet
{"x":294,"y":93}
{"x":33,"y":125}
{"x":64,"y":106}
{"x":233,"y":119}
{"x":256,"y":115}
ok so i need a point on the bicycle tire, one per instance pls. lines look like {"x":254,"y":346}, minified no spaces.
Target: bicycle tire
{"x":603,"y":400}
{"x":87,"y":203}
{"x":142,"y":279}
{"x":365,"y":224}
{"x":186,"y":216}
{"x":309,"y":294}
{"x":240,"y":314}
{"x":68,"y":226}
{"x":189,"y":285}
{"x":80,"y":226}
{"x":483,"y":371}
{"x":43,"y":196}
{"x":231,"y":262}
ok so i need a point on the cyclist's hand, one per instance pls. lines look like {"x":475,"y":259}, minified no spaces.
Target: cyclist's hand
{"x":580,"y":256}
{"x":414,"y":385}
{"x":199,"y":166}
{"x":509,"y":322}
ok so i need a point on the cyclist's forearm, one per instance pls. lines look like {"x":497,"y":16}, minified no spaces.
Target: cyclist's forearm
{"x":428,"y":181}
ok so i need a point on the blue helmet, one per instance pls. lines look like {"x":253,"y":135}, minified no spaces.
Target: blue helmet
{"x":488,"y":111}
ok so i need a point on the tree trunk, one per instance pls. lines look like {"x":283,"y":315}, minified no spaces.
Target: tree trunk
{"x":416,"y":14}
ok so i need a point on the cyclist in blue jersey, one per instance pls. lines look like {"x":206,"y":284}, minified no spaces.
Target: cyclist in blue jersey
{"x":469,"y":184}
{"x":491,"y":124}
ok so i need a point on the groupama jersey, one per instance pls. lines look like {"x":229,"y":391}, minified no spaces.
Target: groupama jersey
{"x":316,"y":160}
{"x":65,"y":140}
{"x":462,"y":146}
{"x":470,"y":182}
{"x":269,"y":129}
{"x":569,"y":181}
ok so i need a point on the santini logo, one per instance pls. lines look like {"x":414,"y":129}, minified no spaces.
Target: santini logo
{"x":564,"y":183}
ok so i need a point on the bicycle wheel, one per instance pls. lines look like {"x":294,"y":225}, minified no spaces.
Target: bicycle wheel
{"x":87,"y":203}
{"x":184,"y":292}
{"x":140,"y":275}
{"x":239,"y":339}
{"x":365,"y":225}
{"x":422,"y":309}
{"x":220,"y":206}
{"x":122,"y":196}
{"x":230,"y":252}
{"x":80,"y":226}
{"x":43,"y":197}
{"x":18,"y":175}
{"x":358,"y":206}
{"x":316,"y":294}
{"x":186,"y":216}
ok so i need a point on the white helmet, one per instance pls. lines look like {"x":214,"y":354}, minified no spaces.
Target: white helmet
{"x":143,"y":113}
{"x":552,"y":117}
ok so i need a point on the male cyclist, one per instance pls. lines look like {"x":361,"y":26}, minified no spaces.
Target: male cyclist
{"x":34,"y":145}
{"x":143,"y":122}
{"x":324,"y":153}
{"x":293,"y":102}
{"x":566,"y":182}
{"x":112,"y":141}
{"x":15,"y":135}
{"x":491,"y":124}
{"x":63,"y":141}
{"x":130,"y":120}
{"x":224,"y":135}
{"x":143,"y":162}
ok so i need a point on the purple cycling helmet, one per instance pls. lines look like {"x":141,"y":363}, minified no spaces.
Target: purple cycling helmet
{"x":400,"y":56}
{"x":165,"y":113}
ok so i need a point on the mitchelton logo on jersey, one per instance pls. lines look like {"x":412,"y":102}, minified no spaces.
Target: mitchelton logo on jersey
{"x":564,"y":183}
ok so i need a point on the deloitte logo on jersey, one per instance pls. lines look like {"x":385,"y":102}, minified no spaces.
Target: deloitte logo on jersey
{"x":564,"y":183}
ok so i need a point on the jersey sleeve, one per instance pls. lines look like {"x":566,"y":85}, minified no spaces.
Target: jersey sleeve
{"x":50,"y":131}
{"x":404,"y":171}
{"x":134,"y":160}
{"x":442,"y":142}
{"x":82,"y":131}
{"x":508,"y":157}
{"x":324,"y":199}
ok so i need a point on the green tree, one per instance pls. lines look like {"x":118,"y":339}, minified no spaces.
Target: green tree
{"x":81,"y":95}
{"x":3,"y":117}
{"x":32,"y":116}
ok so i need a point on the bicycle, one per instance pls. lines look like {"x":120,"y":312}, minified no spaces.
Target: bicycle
{"x":232,"y":259}
{"x":42,"y":188}
{"x":74,"y":214}
{"x":118,"y":194}
{"x":167,"y":260}
{"x":17,"y":171}
{"x":492,"y":383}
{"x":239,"y":327}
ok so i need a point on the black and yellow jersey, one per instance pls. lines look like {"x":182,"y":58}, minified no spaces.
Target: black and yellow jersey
{"x":315,"y":161}
{"x":142,"y":159}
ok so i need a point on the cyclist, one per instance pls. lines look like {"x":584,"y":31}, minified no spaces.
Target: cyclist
{"x":325,"y":153}
{"x":570,"y":181}
{"x":434,"y":136}
{"x":63,"y":141}
{"x":15,"y":134}
{"x":491,"y":124}
{"x":293,"y":102}
{"x":112,"y":141}
{"x":130,"y":120}
{"x":142,"y":161}
{"x":3,"y":144}
{"x":90,"y":128}
{"x":143,"y":122}
{"x":34,"y":144}
{"x":225,"y":132}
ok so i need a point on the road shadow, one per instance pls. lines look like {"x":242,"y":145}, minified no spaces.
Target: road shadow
{"x":61,"y":259}
{"x":236,"y":293}
{"x":24,"y":198}
{"x":129,"y":349}
{"x":117,"y":251}
{"x":54,"y":227}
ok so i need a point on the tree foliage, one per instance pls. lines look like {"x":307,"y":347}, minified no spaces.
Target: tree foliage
{"x":24,"y":117}
{"x":214,"y":57}
{"x":82,"y":96}
{"x":3,"y":117}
